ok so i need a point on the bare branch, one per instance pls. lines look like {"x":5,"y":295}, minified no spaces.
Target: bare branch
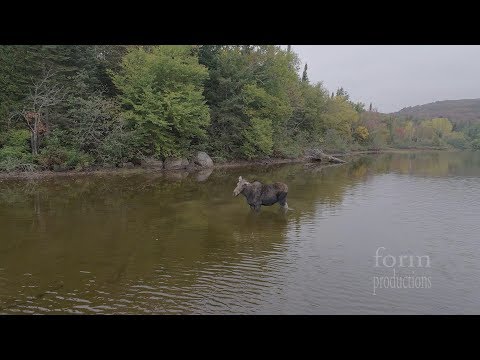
{"x":45,"y":94}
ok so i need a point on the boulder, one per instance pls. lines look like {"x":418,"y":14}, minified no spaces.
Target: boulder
{"x":175,"y":164}
{"x":192,"y":166}
{"x":152,"y":163}
{"x":202,"y":159}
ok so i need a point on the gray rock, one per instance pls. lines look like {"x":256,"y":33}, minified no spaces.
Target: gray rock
{"x":152,"y":163}
{"x":202,"y":159}
{"x":175,"y":164}
{"x":192,"y":166}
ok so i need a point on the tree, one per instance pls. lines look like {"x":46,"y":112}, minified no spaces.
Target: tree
{"x":359,"y":107}
{"x":409,"y":130}
{"x":316,"y":108}
{"x":161,"y":90}
{"x":234,"y":77}
{"x":436,"y":127}
{"x":361,"y":133}
{"x":91,"y":121}
{"x":120,"y":103}
{"x":340,"y":116}
{"x":442,"y":126}
{"x":341,"y":92}
{"x":305,"y":76}
{"x":229,"y":72}
{"x":44,"y":95}
{"x":261,"y":110}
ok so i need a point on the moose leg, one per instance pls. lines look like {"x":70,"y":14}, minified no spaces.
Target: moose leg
{"x":282,"y":200}
{"x":257,"y":207}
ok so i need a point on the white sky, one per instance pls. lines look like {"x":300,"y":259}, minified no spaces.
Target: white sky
{"x":395,"y":76}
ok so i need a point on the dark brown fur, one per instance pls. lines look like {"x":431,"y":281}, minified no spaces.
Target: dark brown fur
{"x":258,"y":194}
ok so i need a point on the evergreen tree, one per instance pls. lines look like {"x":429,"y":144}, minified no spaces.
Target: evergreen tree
{"x":305,"y":76}
{"x":341,"y":92}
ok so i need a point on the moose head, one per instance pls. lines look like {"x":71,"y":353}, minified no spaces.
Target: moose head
{"x":242,"y":183}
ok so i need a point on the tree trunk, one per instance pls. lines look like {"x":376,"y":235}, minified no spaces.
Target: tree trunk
{"x":35,"y":137}
{"x":318,"y":155}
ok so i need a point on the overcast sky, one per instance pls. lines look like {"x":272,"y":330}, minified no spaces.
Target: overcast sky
{"x":394,"y":76}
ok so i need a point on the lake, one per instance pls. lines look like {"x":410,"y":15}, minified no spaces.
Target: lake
{"x":393,"y":233}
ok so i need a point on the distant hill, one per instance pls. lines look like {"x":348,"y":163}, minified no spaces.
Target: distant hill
{"x":457,"y":111}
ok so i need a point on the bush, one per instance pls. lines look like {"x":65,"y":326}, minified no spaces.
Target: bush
{"x":475,"y":144}
{"x":78,"y":160}
{"x":292,"y":146}
{"x":361,"y":133}
{"x":335,"y":142}
{"x":15,"y":154}
{"x":14,"y":158}
{"x":120,"y":146}
{"x":258,"y":138}
{"x":436,"y":141}
{"x":58,"y":155}
{"x":359,"y":146}
{"x":457,"y":140}
{"x":377,"y":140}
{"x":62,"y":158}
{"x":19,"y":139}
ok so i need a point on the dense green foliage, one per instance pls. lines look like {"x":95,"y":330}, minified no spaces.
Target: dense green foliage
{"x":72,"y":107}
{"x":161,"y":90}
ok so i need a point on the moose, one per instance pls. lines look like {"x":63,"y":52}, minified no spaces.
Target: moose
{"x":258,"y":194}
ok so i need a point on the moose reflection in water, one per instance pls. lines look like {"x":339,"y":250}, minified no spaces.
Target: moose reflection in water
{"x":258,"y":194}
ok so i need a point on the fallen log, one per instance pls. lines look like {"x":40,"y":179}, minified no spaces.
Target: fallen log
{"x":319,"y":155}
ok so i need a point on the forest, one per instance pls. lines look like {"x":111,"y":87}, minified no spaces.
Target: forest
{"x":65,"y":107}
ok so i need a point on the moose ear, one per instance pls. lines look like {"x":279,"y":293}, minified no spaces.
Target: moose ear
{"x":240,"y":178}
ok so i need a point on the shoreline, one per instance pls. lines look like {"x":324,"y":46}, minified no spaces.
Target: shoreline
{"x":40,"y":174}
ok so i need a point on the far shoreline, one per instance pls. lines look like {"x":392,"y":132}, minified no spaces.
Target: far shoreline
{"x":41,"y":174}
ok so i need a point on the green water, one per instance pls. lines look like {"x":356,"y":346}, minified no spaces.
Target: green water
{"x":143,"y":243}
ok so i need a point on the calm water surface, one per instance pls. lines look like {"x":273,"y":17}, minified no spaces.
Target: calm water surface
{"x":143,"y":243}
